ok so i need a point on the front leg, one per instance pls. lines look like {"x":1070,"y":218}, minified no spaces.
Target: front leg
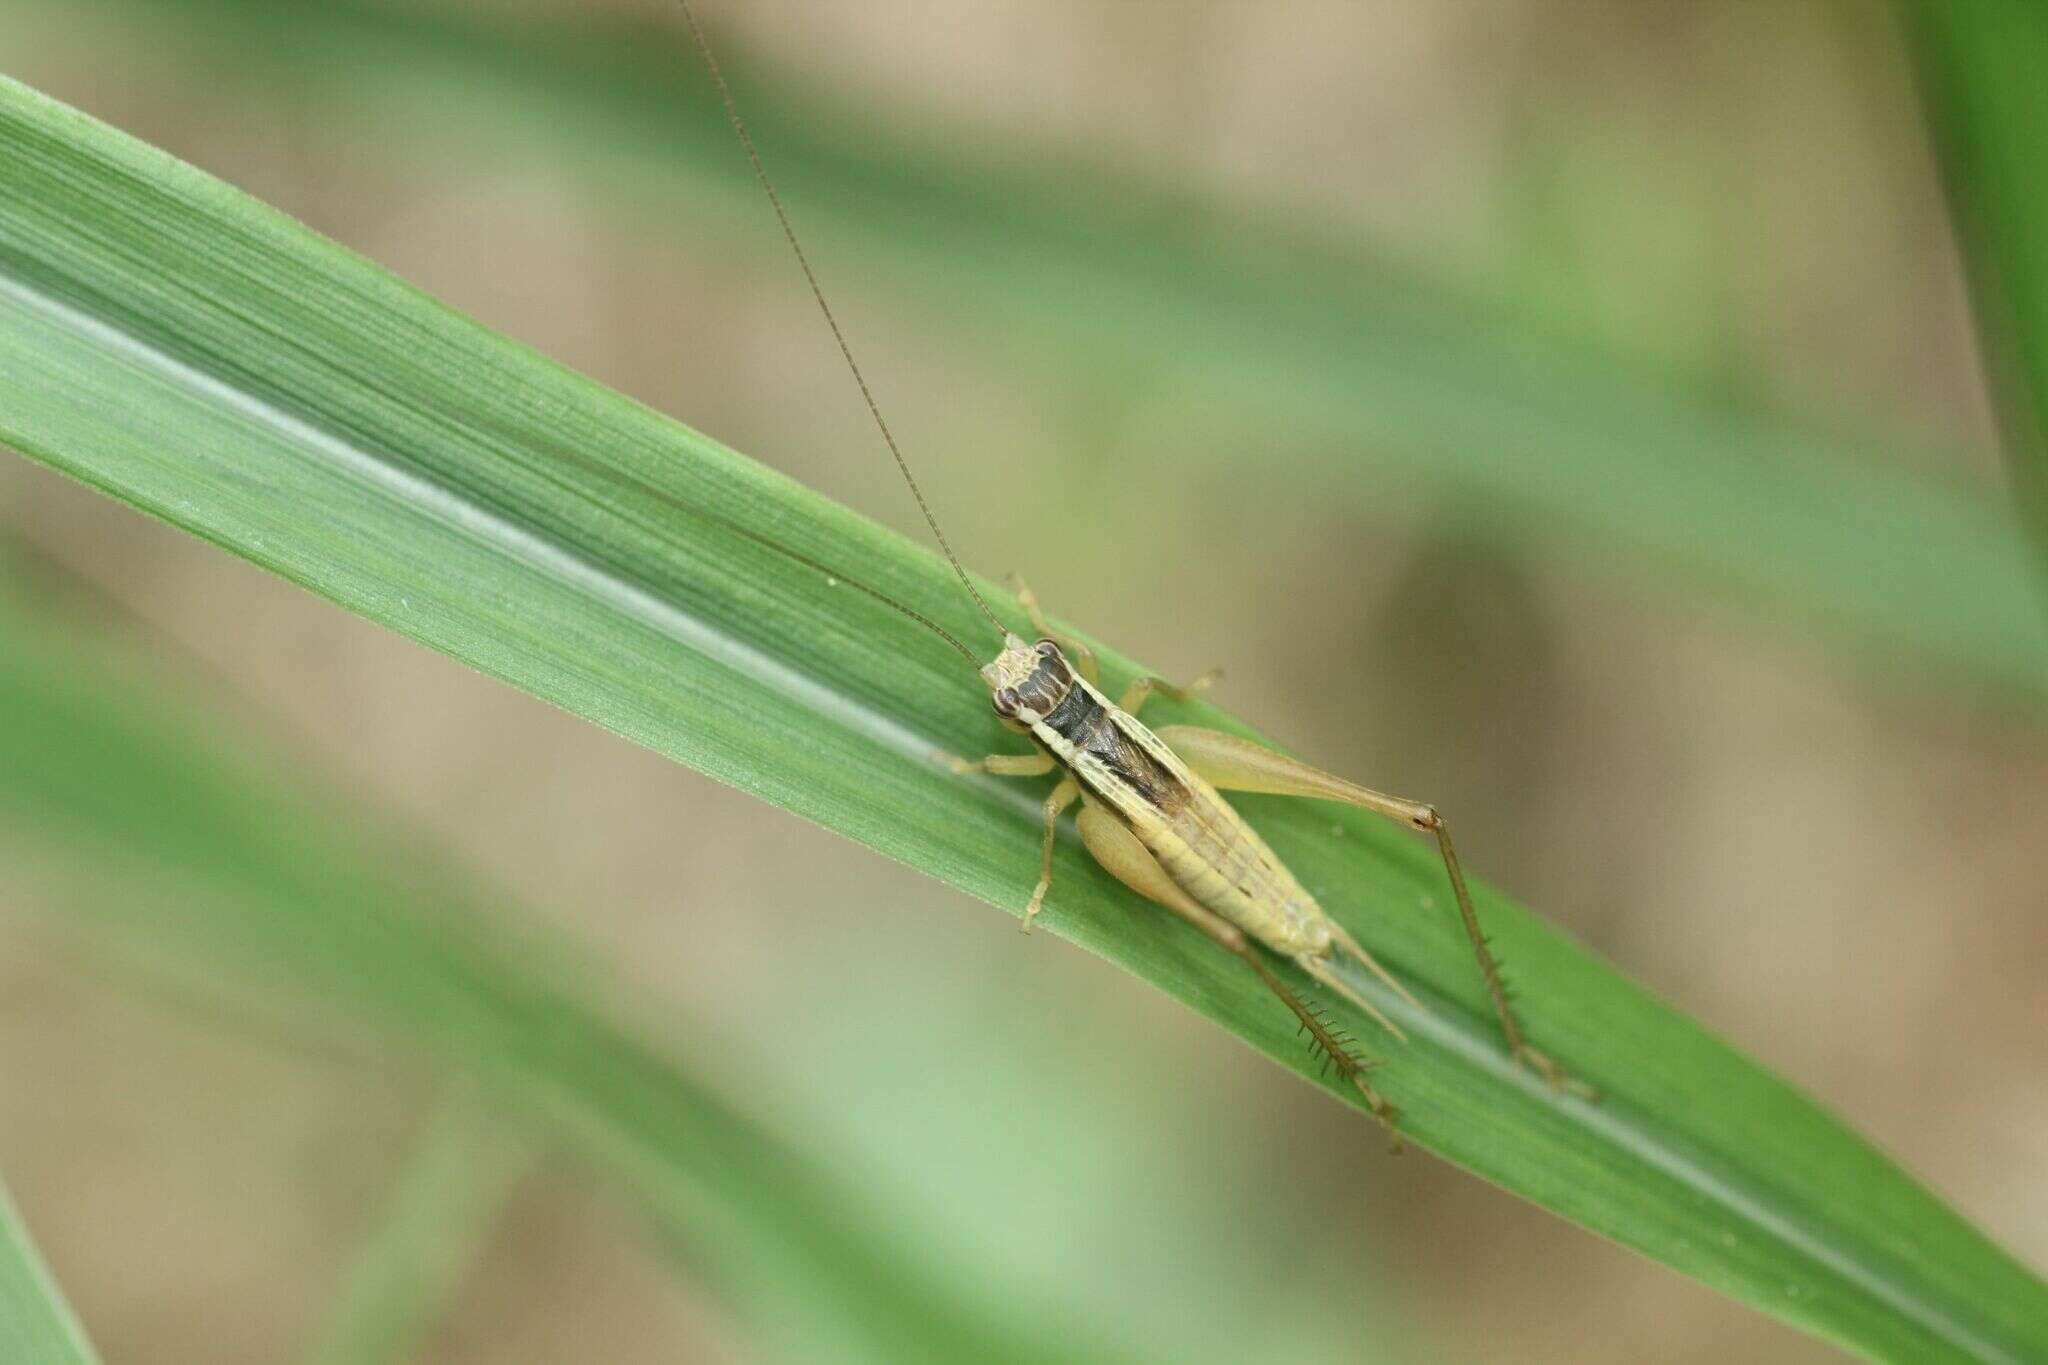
{"x":1234,"y":764}
{"x":1083,"y":657}
{"x":1141,"y":689}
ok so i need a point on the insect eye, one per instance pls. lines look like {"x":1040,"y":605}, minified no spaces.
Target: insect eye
{"x":1006,"y":701}
{"x":1048,"y":648}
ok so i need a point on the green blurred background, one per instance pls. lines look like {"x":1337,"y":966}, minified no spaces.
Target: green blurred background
{"x":1568,"y":412}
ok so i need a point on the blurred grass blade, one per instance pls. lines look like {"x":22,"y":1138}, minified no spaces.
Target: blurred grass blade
{"x":215,"y":852}
{"x":430,"y":1232}
{"x":1403,"y":384}
{"x":1984,"y":70}
{"x":199,"y":356}
{"x":37,"y":1326}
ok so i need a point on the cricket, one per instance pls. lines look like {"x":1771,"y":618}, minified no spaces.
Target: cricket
{"x":1153,"y":814}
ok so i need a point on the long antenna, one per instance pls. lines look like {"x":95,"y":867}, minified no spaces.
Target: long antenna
{"x":833,"y":575}
{"x":739,"y":128}
{"x":648,"y":492}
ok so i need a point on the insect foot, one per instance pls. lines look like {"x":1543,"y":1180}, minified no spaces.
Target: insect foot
{"x":1031,"y":911}
{"x":1387,"y":1114}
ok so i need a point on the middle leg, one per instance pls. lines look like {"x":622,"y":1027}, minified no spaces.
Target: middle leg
{"x":1056,"y":801}
{"x":1061,"y":796}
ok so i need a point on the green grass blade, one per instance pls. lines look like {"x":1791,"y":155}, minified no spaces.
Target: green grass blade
{"x":433,"y":1226}
{"x":1390,"y":385}
{"x":1984,"y":67}
{"x":197,"y":355}
{"x":36,"y":1322}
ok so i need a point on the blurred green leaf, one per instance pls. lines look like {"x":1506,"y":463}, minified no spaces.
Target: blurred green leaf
{"x":36,"y":1324}
{"x":1399,"y":384}
{"x":1984,"y":68}
{"x":432,"y":1228}
{"x":263,"y":876}
{"x":196,"y":354}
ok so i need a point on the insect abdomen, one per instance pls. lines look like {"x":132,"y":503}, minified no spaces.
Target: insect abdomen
{"x":1222,"y":862}
{"x":1201,"y":842}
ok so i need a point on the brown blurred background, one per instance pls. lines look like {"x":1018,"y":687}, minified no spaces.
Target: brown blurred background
{"x":1831,"y":859}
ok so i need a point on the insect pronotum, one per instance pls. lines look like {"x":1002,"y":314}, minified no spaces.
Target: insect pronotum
{"x":1152,"y":810}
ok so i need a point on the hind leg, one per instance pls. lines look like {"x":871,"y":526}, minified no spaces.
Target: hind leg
{"x":1234,"y":764}
{"x":1130,"y":862}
